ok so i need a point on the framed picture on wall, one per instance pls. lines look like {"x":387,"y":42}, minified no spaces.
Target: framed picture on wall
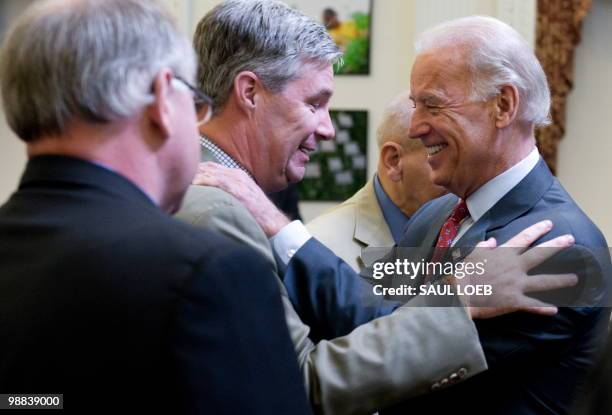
{"x":339,"y":167}
{"x":349,"y":24}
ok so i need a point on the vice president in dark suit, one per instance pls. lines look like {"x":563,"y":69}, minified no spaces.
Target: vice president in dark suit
{"x":105,"y":298}
{"x":479,"y":91}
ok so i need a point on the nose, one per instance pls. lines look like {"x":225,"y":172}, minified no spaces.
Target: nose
{"x":325,"y":130}
{"x":419,"y":127}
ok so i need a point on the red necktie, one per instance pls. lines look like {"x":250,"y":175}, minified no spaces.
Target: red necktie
{"x":449,"y":229}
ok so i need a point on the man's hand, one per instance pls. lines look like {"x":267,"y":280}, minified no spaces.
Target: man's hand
{"x":507,"y":273}
{"x":237,"y":183}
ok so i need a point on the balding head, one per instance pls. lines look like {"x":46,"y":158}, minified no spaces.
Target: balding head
{"x":395,"y":124}
{"x":403,"y":169}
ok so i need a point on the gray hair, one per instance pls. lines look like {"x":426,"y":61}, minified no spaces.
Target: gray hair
{"x":497,"y":55}
{"x":266,"y":37}
{"x":395,"y":124}
{"x":90,"y":59}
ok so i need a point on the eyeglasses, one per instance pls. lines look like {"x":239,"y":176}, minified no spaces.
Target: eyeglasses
{"x":203,"y":103}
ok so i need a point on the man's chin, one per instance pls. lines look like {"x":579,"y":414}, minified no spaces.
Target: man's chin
{"x":281,"y":182}
{"x":295,"y":175}
{"x":440,"y":181}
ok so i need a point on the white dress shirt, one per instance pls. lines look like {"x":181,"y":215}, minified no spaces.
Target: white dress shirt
{"x":487,"y":195}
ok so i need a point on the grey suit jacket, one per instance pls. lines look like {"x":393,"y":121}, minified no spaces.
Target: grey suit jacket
{"x":355,"y":224}
{"x":379,"y":363}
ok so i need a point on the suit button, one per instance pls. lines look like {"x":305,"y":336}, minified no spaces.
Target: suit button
{"x":453,"y":378}
{"x":444,"y":383}
{"x":435,"y":386}
{"x":462,"y":373}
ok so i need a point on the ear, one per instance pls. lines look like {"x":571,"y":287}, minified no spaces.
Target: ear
{"x":159,"y":110}
{"x":506,"y":106}
{"x":391,"y":154}
{"x":246,"y":88}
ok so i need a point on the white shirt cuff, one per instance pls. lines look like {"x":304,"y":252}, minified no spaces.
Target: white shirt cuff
{"x":287,"y":242}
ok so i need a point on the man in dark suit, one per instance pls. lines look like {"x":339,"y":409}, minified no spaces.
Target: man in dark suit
{"x":476,"y":116}
{"x":104,"y":297}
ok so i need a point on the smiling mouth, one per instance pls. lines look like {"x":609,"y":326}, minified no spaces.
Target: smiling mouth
{"x":432,"y":150}
{"x":306,"y":150}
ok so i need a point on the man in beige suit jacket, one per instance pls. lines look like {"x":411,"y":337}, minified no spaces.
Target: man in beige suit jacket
{"x":269,"y":71}
{"x":378,"y":363}
{"x":377,"y":214}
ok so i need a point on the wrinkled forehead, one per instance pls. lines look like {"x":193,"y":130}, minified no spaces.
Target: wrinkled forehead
{"x":440,"y":71}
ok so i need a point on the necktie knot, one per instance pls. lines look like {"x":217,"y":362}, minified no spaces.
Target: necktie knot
{"x":460,"y":211}
{"x":451,"y":227}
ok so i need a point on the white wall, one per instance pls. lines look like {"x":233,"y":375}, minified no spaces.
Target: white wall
{"x":585,"y":167}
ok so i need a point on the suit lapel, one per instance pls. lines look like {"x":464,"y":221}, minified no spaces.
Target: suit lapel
{"x":371,"y":229}
{"x":514,"y":204}
{"x":429,"y":220}
{"x":477,"y":233}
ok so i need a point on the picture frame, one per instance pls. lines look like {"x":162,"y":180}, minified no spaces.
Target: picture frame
{"x":349,"y":23}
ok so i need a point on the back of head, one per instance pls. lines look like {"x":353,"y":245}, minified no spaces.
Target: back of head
{"x":496,"y":55}
{"x":266,"y":37}
{"x":93,"y":60}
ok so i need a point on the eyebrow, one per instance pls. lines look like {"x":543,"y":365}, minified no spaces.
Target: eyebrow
{"x":428,"y":96}
{"x":323,"y":95}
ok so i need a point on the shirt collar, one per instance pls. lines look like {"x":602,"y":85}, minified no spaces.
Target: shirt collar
{"x":491,"y":192}
{"x":222,"y":157}
{"x":395,"y":218}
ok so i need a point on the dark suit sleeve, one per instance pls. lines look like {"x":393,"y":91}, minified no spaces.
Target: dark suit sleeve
{"x":231,"y":344}
{"x":328,"y":295}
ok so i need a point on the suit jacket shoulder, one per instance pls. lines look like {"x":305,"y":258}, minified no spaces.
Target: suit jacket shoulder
{"x":217,"y":210}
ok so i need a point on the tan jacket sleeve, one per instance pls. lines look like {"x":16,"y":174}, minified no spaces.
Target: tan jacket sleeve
{"x":379,"y":363}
